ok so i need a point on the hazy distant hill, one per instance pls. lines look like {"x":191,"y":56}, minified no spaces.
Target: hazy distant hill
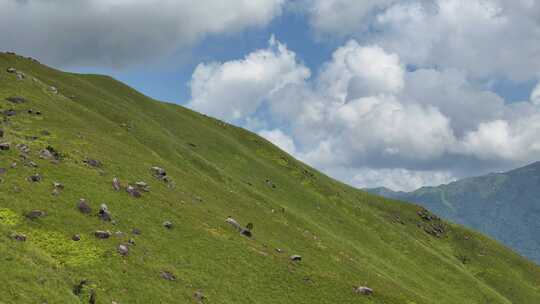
{"x":505,"y":206}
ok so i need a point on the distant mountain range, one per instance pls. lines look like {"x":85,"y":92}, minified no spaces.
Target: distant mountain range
{"x":505,"y":206}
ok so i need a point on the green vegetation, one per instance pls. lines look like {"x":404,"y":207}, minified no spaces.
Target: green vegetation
{"x":505,"y":206}
{"x":346,"y":237}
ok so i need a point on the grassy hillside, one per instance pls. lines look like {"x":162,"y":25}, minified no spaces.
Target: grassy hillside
{"x":505,"y":206}
{"x":347,"y":238}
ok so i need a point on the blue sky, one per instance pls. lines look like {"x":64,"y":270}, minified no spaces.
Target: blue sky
{"x":396,"y":93}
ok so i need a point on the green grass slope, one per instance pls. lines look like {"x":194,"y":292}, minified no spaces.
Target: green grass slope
{"x":347,"y":238}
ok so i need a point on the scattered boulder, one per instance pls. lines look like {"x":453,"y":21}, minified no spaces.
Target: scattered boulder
{"x":116,"y":184}
{"x":20,"y":75}
{"x":100,"y":234}
{"x":13,"y":165}
{"x":279,"y":250}
{"x":10,"y":112}
{"x":4,"y":146}
{"x":270,"y":184}
{"x":53,"y":90}
{"x":364,"y":291}
{"x":45,"y":154}
{"x":18,"y":237}
{"x":168,"y":225}
{"x":104,"y":213}
{"x":76,"y":238}
{"x":199,"y":296}
{"x":93,"y":163}
{"x":168,"y":276}
{"x":58,"y":185}
{"x":84,"y":207}
{"x":160,"y":174}
{"x":233,"y":223}
{"x":296,"y":258}
{"x":142,"y":186}
{"x":16,"y":99}
{"x":131,"y":242}
{"x":78,"y":289}
{"x":35,"y":214}
{"x":11,"y":70}
{"x":133,"y":191}
{"x":136,"y":231}
{"x":36,"y":178}
{"x":23,"y":148}
{"x":123,"y":250}
{"x":246,"y":232}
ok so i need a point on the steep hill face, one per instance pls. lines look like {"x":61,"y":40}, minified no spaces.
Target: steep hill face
{"x":505,"y":206}
{"x":67,"y":137}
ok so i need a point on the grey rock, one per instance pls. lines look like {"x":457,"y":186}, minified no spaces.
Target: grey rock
{"x":45,"y":154}
{"x":76,"y":237}
{"x":199,"y":296}
{"x":93,"y":163}
{"x":53,"y":90}
{"x":136,"y":231}
{"x":133,"y":191}
{"x":100,"y":234}
{"x":363,"y":290}
{"x":123,"y":250}
{"x":131,"y":242}
{"x":16,"y":99}
{"x":36,"y":178}
{"x":168,"y":276}
{"x":35,"y":214}
{"x":10,"y":112}
{"x":233,"y":223}
{"x":104,"y":213}
{"x":11,"y":70}
{"x":58,"y":185}
{"x":18,"y":237}
{"x":142,"y":186}
{"x":5,"y":146}
{"x":168,"y":225}
{"x":20,"y":75}
{"x":84,"y":207}
{"x":296,"y":258}
{"x":23,"y":148}
{"x":116,"y":184}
